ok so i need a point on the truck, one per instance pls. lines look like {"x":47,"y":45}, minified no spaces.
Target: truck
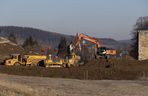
{"x":18,"y":59}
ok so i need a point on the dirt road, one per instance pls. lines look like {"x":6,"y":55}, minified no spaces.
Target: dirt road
{"x":11,"y":85}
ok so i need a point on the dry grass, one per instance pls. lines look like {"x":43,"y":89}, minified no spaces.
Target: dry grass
{"x":11,"y":85}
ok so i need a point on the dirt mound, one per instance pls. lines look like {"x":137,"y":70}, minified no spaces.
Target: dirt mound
{"x":7,"y":48}
{"x":96,"y":70}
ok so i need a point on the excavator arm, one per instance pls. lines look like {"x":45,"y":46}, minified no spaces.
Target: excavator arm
{"x":85,"y":37}
{"x":101,"y":50}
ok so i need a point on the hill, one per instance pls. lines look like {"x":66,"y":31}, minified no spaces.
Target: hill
{"x":43,"y":37}
{"x":46,"y":38}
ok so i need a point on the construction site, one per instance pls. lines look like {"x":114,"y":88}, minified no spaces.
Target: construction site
{"x":84,"y":61}
{"x":73,"y":48}
{"x":102,"y":73}
{"x":95,"y":63}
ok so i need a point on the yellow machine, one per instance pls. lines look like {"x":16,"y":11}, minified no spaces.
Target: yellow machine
{"x":42,"y":60}
{"x":53,"y":61}
{"x":17,"y":59}
{"x":73,"y":60}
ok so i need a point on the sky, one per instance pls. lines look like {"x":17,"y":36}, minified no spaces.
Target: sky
{"x":98,"y":18}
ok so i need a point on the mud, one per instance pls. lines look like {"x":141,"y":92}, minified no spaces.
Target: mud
{"x":94,"y":70}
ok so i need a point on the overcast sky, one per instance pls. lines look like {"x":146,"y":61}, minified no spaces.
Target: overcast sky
{"x":99,"y":18}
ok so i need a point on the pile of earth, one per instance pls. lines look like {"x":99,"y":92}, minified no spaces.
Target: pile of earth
{"x":7,"y":47}
{"x":94,"y":70}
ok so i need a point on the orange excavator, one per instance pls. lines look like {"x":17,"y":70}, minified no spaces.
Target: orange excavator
{"x":101,"y":51}
{"x":85,"y":37}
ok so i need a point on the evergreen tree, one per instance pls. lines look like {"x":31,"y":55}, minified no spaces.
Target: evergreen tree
{"x":62,"y":47}
{"x":30,"y":44}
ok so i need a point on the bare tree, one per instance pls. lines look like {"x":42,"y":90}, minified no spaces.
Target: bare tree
{"x":141,"y":24}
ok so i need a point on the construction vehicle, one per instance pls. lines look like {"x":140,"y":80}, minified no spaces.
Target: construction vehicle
{"x":100,"y":52}
{"x":57,"y":61}
{"x":53,"y":61}
{"x":18,"y":59}
{"x":72,"y":60}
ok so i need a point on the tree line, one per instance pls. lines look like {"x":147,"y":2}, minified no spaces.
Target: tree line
{"x":29,"y":43}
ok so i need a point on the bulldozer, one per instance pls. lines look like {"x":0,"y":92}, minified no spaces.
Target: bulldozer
{"x":55,"y":61}
{"x":66,"y":60}
{"x":72,"y":60}
{"x":18,"y":59}
{"x":52,"y":61}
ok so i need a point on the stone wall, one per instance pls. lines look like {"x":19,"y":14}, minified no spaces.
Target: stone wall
{"x":143,"y":45}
